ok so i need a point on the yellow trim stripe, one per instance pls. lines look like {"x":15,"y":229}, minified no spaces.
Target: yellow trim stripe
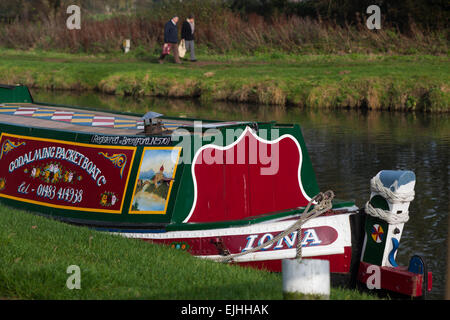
{"x":125,"y":125}
{"x":81,"y":120}
{"x":126,"y":121}
{"x":37,"y":115}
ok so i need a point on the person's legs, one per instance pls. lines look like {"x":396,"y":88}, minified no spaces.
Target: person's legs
{"x":191,"y":49}
{"x":161,"y":57}
{"x":188,"y":46}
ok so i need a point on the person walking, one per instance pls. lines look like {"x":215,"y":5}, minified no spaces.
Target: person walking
{"x":187,"y":33}
{"x":170,"y":40}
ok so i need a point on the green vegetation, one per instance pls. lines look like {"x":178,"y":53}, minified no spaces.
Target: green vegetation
{"x":311,"y":54}
{"x":231,"y":26}
{"x":35,"y":253}
{"x":408,"y":83}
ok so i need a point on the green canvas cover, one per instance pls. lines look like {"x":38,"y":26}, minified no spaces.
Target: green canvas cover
{"x":15,"y":94}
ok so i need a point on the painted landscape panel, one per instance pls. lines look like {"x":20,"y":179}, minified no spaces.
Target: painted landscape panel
{"x":155,"y":180}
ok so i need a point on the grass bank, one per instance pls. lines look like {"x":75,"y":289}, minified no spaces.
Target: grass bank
{"x":359,"y":81}
{"x":35,"y":253}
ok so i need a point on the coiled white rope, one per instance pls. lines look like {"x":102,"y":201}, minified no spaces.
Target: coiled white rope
{"x":393,"y":197}
{"x":386,"y":215}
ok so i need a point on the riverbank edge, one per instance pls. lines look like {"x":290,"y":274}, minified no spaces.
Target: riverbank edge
{"x":424,"y":93}
{"x":372,"y":94}
{"x":367,"y":93}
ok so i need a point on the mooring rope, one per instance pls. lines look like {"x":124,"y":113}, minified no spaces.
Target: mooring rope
{"x":324,"y":204}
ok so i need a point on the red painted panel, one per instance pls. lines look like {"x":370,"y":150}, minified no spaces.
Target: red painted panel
{"x":206,"y":246}
{"x":210,"y":178}
{"x":398,"y":279}
{"x":266,"y":182}
{"x":236,"y":191}
{"x":263,"y":197}
{"x":288,"y":192}
{"x":238,"y":243}
{"x":64,"y":175}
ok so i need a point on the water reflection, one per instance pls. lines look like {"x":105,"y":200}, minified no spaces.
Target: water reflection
{"x":347,"y":149}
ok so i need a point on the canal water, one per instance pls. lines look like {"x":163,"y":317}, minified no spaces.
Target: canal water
{"x":347,"y":149}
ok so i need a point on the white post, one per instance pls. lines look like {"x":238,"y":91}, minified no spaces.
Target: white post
{"x":308,"y":279}
{"x":126,"y":45}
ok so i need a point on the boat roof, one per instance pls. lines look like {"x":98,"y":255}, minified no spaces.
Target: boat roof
{"x":83,"y":120}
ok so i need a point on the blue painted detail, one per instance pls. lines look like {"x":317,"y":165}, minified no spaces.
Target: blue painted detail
{"x":395,"y":245}
{"x":416,"y":265}
{"x":389,"y":177}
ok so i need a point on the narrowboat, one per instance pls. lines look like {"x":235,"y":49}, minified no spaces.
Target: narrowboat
{"x":229,"y":191}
